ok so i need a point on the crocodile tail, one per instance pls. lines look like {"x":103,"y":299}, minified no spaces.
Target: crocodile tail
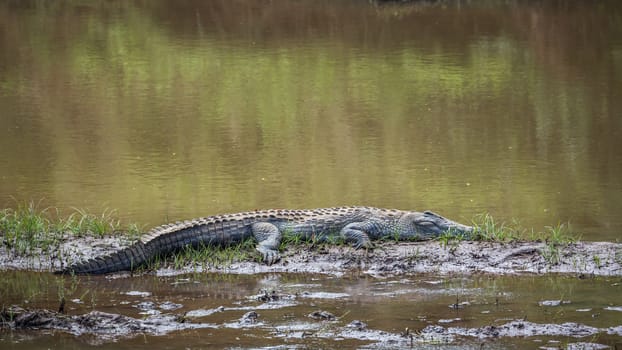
{"x":127,"y":258}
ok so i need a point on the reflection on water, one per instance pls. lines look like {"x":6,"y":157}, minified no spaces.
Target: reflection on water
{"x":389,"y":305}
{"x":168,"y":110}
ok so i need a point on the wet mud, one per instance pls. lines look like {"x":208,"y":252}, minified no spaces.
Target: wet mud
{"x":388,"y":258}
{"x":100,"y":327}
{"x":403,"y":267}
{"x":106,"y":326}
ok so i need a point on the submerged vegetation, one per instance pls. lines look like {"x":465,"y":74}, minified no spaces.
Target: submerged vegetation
{"x":29,"y":230}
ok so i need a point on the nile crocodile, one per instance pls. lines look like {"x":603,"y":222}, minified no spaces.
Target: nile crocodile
{"x":356,"y":225}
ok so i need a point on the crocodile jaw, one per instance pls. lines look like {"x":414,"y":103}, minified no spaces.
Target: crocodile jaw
{"x":430,"y":225}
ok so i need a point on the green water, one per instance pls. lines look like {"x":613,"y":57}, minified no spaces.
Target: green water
{"x":166,"y":110}
{"x":171,"y":110}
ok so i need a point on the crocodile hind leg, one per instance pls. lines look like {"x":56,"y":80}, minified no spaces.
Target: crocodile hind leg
{"x":268,"y":239}
{"x":355,"y":233}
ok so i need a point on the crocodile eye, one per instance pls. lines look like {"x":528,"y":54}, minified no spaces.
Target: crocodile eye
{"x":431,"y":213}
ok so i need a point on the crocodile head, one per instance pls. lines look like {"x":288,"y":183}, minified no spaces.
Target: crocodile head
{"x":428,"y":225}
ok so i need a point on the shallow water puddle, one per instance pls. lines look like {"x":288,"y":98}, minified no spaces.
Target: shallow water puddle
{"x":267,"y":310}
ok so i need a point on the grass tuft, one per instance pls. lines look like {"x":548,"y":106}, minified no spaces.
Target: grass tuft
{"x":28,"y":227}
{"x":486,"y":228}
{"x":85,"y":223}
{"x":206,"y":256}
{"x":555,"y":237}
{"x":560,"y":234}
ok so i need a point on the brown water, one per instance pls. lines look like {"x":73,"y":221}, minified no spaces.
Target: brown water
{"x":170,"y":110}
{"x":389,"y":305}
{"x":167,"y":110}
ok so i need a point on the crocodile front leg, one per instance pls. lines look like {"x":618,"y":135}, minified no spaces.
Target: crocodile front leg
{"x":356,"y":233}
{"x":268,"y":239}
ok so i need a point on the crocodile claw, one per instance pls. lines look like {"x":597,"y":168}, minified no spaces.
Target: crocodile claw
{"x":363,"y":244}
{"x":269,"y":256}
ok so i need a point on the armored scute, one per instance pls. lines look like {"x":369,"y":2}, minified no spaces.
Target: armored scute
{"x":356,"y":225}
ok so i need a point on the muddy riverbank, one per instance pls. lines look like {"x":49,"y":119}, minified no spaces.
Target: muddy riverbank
{"x":313,"y":310}
{"x":387,"y":259}
{"x":408,"y":294}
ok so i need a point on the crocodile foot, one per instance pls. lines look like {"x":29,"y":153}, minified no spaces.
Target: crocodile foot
{"x":269,"y":256}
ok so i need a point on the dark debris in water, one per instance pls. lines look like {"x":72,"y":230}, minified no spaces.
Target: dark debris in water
{"x":108,"y":327}
{"x":249,"y":317}
{"x":270,"y":296}
{"x":102,"y":324}
{"x":358,"y":325}
{"x":519,"y":328}
{"x":322,"y":315}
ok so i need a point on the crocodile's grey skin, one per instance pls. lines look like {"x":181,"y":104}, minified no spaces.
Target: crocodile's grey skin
{"x":357,"y":225}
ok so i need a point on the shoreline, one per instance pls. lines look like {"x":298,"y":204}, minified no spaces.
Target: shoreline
{"x":387,"y":259}
{"x":390,"y":259}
